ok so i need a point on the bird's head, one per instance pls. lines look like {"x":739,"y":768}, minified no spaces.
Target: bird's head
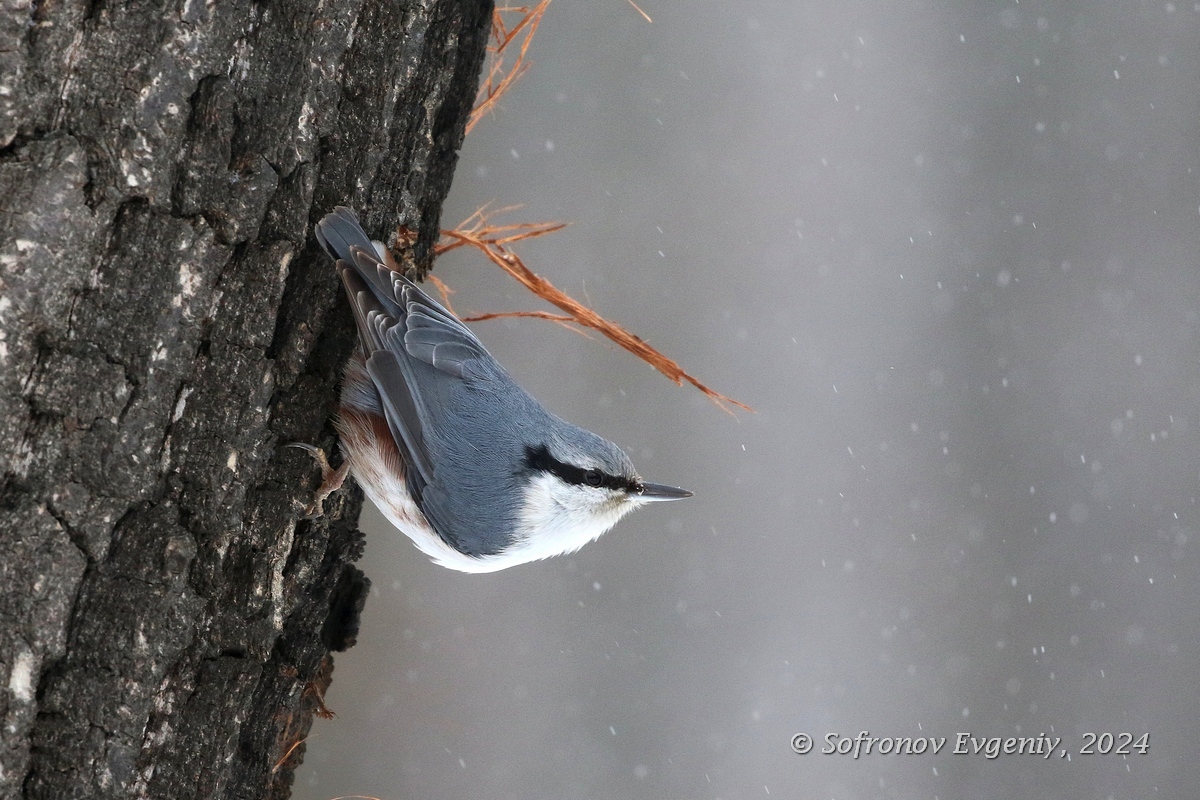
{"x":576,"y":486}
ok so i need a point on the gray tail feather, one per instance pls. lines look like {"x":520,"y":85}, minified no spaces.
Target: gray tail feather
{"x":370,"y":285}
{"x":339,"y":231}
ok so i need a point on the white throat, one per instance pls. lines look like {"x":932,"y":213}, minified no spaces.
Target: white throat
{"x":558,"y":518}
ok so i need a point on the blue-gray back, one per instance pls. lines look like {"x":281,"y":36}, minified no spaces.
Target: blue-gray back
{"x":459,"y":420}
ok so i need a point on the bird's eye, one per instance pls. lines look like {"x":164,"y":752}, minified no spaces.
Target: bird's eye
{"x":593,"y":477}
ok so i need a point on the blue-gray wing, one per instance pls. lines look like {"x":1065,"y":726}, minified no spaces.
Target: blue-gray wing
{"x":345,"y":241}
{"x":436,"y":337}
{"x":382,"y":299}
{"x":453,"y":447}
{"x":416,"y":351}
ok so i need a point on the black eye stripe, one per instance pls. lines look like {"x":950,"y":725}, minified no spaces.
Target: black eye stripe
{"x":539,"y":458}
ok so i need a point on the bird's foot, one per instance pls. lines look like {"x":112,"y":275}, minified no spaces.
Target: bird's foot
{"x":331,"y":479}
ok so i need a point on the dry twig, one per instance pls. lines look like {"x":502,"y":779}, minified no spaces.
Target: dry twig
{"x":493,"y":242}
{"x":639,"y":10}
{"x":499,"y":78}
{"x":317,"y":693}
{"x":445,"y":291}
{"x":290,"y":733}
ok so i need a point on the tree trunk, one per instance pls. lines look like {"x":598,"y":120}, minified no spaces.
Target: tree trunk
{"x":166,"y":325}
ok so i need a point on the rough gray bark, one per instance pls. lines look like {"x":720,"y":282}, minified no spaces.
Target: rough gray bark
{"x":166,"y":324}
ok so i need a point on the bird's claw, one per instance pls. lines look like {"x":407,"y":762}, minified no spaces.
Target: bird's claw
{"x":331,"y":479}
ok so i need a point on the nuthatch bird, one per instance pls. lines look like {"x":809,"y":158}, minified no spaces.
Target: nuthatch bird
{"x":453,"y":452}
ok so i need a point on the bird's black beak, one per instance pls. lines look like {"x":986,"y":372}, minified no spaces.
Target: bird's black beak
{"x":654,"y":492}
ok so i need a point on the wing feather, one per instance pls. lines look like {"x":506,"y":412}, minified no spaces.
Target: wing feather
{"x":415,"y":352}
{"x":403,"y":412}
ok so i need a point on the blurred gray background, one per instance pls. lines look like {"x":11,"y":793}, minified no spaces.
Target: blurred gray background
{"x":949,"y":254}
